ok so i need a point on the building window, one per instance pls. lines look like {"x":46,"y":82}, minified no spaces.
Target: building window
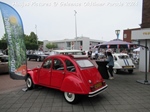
{"x":125,"y":36}
{"x":68,"y":44}
{"x":81,"y":43}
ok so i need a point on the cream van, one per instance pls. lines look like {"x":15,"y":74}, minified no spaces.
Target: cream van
{"x":73,"y":52}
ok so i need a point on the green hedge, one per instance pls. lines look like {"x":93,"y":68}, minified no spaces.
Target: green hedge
{"x":3,"y":44}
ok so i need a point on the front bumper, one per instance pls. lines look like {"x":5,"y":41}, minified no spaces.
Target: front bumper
{"x":92,"y":94}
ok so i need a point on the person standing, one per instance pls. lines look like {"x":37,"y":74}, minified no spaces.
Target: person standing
{"x":89,"y":54}
{"x":110,"y":64}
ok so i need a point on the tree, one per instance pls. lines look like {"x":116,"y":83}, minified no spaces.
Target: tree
{"x":4,"y":38}
{"x":31,"y":41}
{"x":32,"y":38}
{"x":31,"y":46}
{"x":51,"y":45}
{"x":3,"y":44}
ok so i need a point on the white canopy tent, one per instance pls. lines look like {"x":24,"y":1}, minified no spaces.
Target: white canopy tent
{"x":137,"y":49}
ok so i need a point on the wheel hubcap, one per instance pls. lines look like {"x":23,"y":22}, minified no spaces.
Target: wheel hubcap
{"x":69,"y":96}
{"x":29,"y":82}
{"x":38,"y":59}
{"x":115,"y":71}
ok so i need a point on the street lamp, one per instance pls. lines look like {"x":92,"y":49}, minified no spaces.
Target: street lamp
{"x":117,"y":33}
{"x":36,"y":33}
{"x":75,"y":27}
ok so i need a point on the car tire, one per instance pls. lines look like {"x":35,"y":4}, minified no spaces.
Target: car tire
{"x":29,"y":83}
{"x":38,"y":59}
{"x":28,"y":59}
{"x":130,"y":71}
{"x":71,"y":97}
{"x":115,"y":71}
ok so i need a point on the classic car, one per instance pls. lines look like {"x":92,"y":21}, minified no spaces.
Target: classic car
{"x":4,"y":64}
{"x":73,"y":52}
{"x":74,"y":75}
{"x":37,"y":55}
{"x":122,"y":61}
{"x":100,"y":55}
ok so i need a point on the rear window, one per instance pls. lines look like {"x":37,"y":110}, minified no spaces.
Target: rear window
{"x":123,"y":57}
{"x":84,"y":63}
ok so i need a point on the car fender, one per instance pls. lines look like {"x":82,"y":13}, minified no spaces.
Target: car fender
{"x":117,"y":65}
{"x":33,"y":74}
{"x":74,"y":84}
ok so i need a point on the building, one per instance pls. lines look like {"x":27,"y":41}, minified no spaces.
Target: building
{"x":146,"y":14}
{"x":142,"y":36}
{"x":82,"y":43}
{"x":127,"y":35}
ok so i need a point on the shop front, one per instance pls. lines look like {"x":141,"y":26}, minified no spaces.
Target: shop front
{"x":143,"y":36}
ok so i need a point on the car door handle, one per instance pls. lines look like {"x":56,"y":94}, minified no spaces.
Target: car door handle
{"x":63,"y":72}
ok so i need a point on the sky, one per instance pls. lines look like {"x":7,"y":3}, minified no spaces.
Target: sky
{"x":96,"y":19}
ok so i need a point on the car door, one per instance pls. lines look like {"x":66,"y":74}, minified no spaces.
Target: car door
{"x":58,"y":73}
{"x":4,"y":67}
{"x":45,"y":73}
{"x":34,"y":56}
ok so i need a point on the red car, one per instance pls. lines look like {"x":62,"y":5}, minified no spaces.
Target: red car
{"x":74,"y":75}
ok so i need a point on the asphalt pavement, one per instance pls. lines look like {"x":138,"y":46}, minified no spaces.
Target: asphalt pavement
{"x":124,"y":94}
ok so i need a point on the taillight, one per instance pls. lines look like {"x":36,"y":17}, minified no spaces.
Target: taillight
{"x":103,"y":83}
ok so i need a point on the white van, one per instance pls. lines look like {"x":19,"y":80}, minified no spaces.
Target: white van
{"x":73,"y":52}
{"x":122,"y":61}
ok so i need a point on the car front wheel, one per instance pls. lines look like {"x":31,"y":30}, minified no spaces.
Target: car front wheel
{"x":115,"y":71}
{"x":28,"y":59}
{"x":29,"y":83}
{"x":71,"y":97}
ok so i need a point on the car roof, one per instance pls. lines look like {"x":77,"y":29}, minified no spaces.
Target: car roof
{"x":118,"y":54}
{"x":67,"y":51}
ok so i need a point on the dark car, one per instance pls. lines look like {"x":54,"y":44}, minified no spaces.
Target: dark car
{"x":38,"y":56}
{"x":4,"y":64}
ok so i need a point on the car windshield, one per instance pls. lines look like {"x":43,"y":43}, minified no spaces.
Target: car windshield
{"x":84,"y":63}
{"x":123,"y":57}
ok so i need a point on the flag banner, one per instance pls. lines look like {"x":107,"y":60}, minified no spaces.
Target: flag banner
{"x":118,"y":46}
{"x":108,"y":46}
{"x":15,"y":41}
{"x":128,"y":46}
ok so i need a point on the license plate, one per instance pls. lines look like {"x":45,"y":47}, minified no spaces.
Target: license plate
{"x":98,"y":85}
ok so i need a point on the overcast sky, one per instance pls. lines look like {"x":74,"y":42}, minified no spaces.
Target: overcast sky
{"x":96,"y":19}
